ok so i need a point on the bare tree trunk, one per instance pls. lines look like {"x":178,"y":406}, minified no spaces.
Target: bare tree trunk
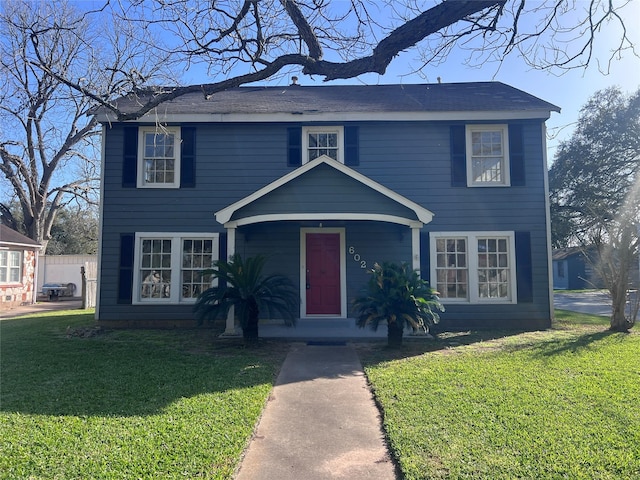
{"x":620,"y":260}
{"x":619,"y":321}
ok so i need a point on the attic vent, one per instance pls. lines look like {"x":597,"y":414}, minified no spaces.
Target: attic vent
{"x":294,"y":81}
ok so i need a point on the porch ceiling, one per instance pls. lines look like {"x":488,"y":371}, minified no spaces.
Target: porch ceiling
{"x":324,"y":189}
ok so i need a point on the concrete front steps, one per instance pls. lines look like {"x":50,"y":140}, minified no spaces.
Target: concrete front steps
{"x":325,"y":329}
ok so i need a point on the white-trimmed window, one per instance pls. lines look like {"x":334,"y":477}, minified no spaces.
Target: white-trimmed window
{"x":318,"y":141}
{"x":10,"y":266}
{"x":159,"y":157}
{"x":168,"y":266}
{"x":487,"y":155}
{"x":474,"y":267}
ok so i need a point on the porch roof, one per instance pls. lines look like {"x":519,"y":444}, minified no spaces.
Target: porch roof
{"x":324,"y":189}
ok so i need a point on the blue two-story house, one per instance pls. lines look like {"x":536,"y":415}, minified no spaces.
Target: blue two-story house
{"x":327,"y":180}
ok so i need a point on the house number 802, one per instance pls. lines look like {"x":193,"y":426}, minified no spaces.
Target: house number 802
{"x":356,"y":257}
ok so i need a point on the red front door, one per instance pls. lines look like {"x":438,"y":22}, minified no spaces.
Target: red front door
{"x":323,"y":273}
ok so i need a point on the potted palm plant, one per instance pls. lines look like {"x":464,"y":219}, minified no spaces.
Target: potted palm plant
{"x":241,"y":284}
{"x":396,"y":294}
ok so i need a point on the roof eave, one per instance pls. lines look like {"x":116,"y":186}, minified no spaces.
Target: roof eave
{"x":288,"y":117}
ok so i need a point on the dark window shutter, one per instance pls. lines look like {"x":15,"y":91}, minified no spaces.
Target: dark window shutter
{"x":130,"y":157}
{"x":294,"y":146}
{"x":524,"y":267}
{"x":425,"y":252}
{"x":516,"y":155}
{"x":458,"y":156}
{"x":223,"y":248}
{"x":125,"y":274}
{"x":351,"y":146}
{"x":188,"y":157}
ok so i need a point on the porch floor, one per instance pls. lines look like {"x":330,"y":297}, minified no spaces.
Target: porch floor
{"x":325,"y":329}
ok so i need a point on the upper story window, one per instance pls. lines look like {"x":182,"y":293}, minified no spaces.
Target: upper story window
{"x":487,"y":155}
{"x":159,"y":157}
{"x":169,"y":266}
{"x":10,"y":266}
{"x":474,"y":267}
{"x":318,"y":141}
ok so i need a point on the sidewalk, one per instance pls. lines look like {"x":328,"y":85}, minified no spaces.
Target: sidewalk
{"x":320,"y":422}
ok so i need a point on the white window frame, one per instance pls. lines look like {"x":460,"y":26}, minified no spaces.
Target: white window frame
{"x":473,"y":296}
{"x":175,"y":293}
{"x":142,"y":131}
{"x":505,"y":171}
{"x":8,"y":267}
{"x":322,"y":129}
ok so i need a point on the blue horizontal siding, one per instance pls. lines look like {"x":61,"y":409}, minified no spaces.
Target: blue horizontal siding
{"x":410,"y":158}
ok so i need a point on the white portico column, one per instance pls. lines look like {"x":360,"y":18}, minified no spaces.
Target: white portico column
{"x":415,"y":246}
{"x":231,"y":249}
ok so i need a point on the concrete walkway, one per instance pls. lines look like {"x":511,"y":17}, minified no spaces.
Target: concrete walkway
{"x":65,"y":303}
{"x":320,"y":422}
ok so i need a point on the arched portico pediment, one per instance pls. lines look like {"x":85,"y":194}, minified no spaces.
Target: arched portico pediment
{"x":324,"y":189}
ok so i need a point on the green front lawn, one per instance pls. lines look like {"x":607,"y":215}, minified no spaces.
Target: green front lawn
{"x":556,"y":404}
{"x":126,"y":404}
{"x":181,"y":404}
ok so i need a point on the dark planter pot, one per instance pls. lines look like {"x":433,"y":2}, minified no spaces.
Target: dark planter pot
{"x":394,"y":335}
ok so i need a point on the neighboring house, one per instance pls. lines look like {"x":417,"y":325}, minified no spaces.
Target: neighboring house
{"x":326,"y":181}
{"x":572,"y":270}
{"x":18,"y":268}
{"x":569,"y":269}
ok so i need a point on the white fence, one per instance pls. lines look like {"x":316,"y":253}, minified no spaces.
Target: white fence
{"x":66,"y":269}
{"x":89,"y":284}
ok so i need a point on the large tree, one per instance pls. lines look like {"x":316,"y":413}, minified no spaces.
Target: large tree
{"x":58,"y":63}
{"x":49,"y":148}
{"x":595,"y":192}
{"x":233,"y":42}
{"x":75,"y":231}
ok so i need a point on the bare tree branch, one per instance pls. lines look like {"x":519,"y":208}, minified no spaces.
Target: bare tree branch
{"x":306,"y":32}
{"x":46,"y":133}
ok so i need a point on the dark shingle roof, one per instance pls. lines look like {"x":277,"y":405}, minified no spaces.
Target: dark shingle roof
{"x":9,"y":236}
{"x":446,"y":97}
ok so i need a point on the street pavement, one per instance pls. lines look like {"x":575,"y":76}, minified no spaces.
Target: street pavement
{"x":596,"y":302}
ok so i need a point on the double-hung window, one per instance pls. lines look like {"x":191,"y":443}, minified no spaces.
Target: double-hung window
{"x":319,"y":141}
{"x":474,"y":267}
{"x":487,"y":155}
{"x":169,"y":266}
{"x":10,"y":266}
{"x":159,"y":157}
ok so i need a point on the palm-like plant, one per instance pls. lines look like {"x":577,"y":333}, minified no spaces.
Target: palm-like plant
{"x":396,"y":294}
{"x":242,"y":285}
